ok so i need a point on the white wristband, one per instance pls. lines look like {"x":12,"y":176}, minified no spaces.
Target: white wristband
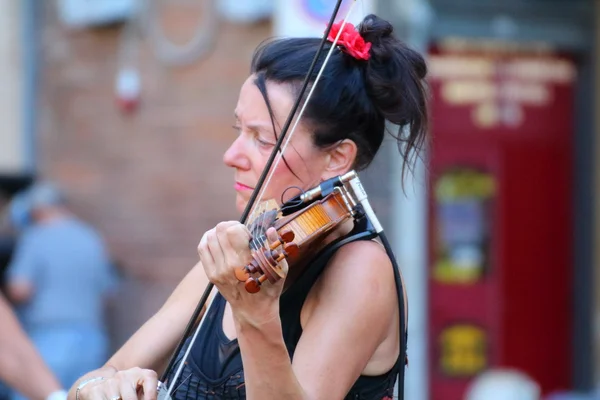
{"x":82,"y":384}
{"x":57,"y":395}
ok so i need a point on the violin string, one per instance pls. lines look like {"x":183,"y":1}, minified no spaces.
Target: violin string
{"x":261,"y":225}
{"x":250,"y":224}
{"x":314,"y":85}
{"x":257,"y":236}
{"x":264,"y":226}
{"x":257,"y":224}
{"x":262,"y":210}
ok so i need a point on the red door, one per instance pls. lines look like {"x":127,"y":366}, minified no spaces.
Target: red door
{"x":500,"y":216}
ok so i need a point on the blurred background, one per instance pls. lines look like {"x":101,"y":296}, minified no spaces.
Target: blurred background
{"x":126,"y":105}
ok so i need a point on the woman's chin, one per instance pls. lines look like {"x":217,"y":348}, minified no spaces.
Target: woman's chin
{"x":240,"y":203}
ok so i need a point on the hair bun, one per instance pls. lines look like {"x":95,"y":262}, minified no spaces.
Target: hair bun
{"x":394,"y":80}
{"x":384,"y":45}
{"x":374,"y":29}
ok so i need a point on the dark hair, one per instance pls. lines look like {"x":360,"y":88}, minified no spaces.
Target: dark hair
{"x":354,"y":98}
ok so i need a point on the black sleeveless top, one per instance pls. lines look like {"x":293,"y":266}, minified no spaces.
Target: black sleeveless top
{"x":214,"y":368}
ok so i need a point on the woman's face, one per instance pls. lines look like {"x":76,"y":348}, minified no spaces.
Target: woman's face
{"x":249,"y":153}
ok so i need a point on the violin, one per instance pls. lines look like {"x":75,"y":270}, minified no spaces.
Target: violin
{"x":300,"y":232}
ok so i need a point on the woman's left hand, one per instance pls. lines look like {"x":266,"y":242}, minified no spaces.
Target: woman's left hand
{"x":226,"y":248}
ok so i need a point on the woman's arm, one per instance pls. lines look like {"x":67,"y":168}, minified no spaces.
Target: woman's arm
{"x":356,"y":311}
{"x":147,"y":351}
{"x":354,"y":327}
{"x":151,"y":346}
{"x":21,"y":366}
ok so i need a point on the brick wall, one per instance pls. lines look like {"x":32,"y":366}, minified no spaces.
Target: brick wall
{"x":153,"y":181}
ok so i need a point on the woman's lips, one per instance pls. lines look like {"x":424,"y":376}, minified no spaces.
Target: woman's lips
{"x":241,"y":186}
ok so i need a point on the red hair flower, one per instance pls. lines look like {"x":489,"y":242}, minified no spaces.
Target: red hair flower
{"x":351,"y":40}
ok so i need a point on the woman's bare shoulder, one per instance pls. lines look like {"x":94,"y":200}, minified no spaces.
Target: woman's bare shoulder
{"x":361,"y":269}
{"x":366,"y":259}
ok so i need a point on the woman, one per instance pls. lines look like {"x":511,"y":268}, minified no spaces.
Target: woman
{"x":332,"y":335}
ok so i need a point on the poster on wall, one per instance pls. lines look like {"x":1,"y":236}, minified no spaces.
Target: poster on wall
{"x":463,"y":198}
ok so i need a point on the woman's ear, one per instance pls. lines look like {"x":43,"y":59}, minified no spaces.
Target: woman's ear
{"x":340,"y":159}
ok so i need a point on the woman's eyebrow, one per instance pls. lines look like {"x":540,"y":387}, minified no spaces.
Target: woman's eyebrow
{"x":261,"y":127}
{"x":258,"y":126}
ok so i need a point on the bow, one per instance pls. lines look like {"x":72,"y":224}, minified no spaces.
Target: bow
{"x":264,"y":179}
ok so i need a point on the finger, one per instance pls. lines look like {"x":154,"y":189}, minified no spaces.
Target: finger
{"x":94,"y":392}
{"x":272,"y":235}
{"x":238,"y":242}
{"x":204,"y":253}
{"x":240,"y":237}
{"x":127,"y":390}
{"x":150,"y":385}
{"x":215,"y":249}
{"x":226,"y":224}
{"x":110,"y":390}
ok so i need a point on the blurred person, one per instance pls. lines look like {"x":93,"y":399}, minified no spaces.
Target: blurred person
{"x":335,"y":332}
{"x":58,"y":278}
{"x":17,"y":215}
{"x":503,"y":384}
{"x":13,"y":218}
{"x":21,"y":366}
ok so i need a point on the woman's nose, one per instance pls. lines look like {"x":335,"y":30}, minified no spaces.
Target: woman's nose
{"x":236,"y":155}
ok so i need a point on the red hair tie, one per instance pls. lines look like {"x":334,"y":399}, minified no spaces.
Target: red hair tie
{"x":350,"y":40}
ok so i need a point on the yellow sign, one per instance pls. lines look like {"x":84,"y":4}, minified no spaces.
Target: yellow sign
{"x":463,"y":350}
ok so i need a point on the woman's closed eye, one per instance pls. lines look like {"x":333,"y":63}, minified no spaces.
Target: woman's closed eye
{"x":257,"y":137}
{"x":264,"y":143}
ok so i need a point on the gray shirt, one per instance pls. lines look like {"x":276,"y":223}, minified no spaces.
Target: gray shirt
{"x":68,"y":265}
